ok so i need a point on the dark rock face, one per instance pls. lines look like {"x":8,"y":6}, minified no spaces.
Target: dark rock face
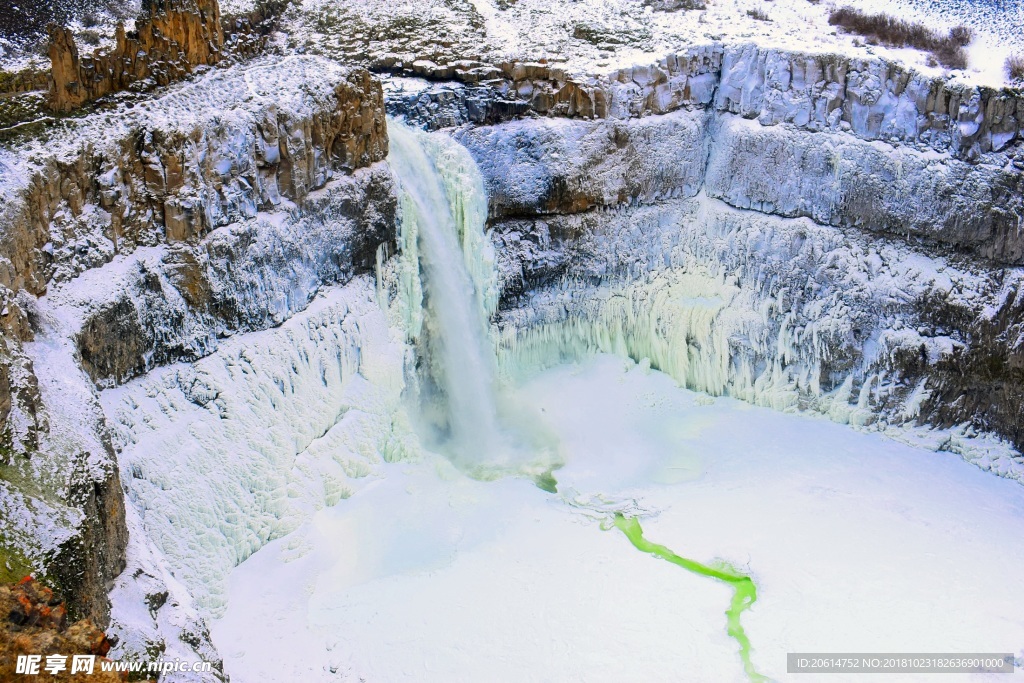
{"x":983,"y":381}
{"x":111,"y":343}
{"x":87,"y":564}
{"x":446,"y":105}
{"x":159,"y":181}
{"x":236,"y":280}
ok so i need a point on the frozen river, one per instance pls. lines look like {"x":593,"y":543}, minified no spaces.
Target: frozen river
{"x":856,"y":543}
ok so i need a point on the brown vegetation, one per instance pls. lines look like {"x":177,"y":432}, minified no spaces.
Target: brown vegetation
{"x":961,"y":35}
{"x":887,"y":30}
{"x":1015,"y":67}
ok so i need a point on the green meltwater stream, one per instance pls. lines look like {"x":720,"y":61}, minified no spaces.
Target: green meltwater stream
{"x":744,"y":591}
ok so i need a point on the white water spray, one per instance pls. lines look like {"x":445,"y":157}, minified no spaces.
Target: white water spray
{"x":460,"y":352}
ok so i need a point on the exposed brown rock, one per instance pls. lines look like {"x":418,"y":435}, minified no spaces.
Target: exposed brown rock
{"x":88,"y":559}
{"x":171,"y":39}
{"x":162,"y":183}
{"x":87,"y":564}
{"x":157,"y":177}
{"x":814,"y":92}
{"x":34,"y":622}
{"x":24,"y":80}
{"x":231,"y":281}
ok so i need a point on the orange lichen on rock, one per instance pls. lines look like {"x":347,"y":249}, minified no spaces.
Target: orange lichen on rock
{"x":33,"y":621}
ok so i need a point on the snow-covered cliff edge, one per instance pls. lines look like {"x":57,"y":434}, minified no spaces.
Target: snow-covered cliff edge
{"x":873,"y":281}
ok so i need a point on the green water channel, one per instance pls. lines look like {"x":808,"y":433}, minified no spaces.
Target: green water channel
{"x":744,"y":591}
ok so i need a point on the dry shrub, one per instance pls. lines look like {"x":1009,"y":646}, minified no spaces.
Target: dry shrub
{"x":1015,"y":67}
{"x":951,"y":56}
{"x":758,"y":14}
{"x":961,"y":35}
{"x":948,"y":50}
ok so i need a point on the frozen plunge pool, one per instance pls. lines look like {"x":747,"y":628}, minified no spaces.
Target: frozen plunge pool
{"x":856,"y":543}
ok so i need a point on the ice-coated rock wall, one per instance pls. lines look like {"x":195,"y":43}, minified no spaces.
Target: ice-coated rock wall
{"x":223,"y":455}
{"x":800,"y":231}
{"x":870,"y":98}
{"x":843,"y":181}
{"x":807,"y":269}
{"x":780,"y":312}
{"x":60,"y":491}
{"x":148,"y":233}
{"x":562,"y":166}
{"x":173,"y":302}
{"x":873,"y":99}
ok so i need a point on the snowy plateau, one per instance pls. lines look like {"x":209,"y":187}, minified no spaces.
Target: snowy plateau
{"x":514,"y":340}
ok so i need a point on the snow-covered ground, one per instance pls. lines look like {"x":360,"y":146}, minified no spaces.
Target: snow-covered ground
{"x":591,"y":37}
{"x":857,"y":543}
{"x":999,"y":27}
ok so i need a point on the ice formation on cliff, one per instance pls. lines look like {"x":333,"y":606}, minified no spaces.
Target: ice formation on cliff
{"x":226,"y":454}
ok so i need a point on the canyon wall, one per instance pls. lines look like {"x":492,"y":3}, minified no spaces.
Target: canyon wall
{"x":874,"y":99}
{"x":172,"y":169}
{"x":172,"y":38}
{"x":150,"y":236}
{"x":835,"y":234}
{"x":873,"y":281}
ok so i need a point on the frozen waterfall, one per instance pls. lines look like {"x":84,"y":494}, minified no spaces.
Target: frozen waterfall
{"x":443,"y":212}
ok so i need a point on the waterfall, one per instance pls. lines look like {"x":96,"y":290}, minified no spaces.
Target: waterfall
{"x":443,"y":212}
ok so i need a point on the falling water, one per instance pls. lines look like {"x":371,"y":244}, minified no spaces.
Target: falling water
{"x":457,"y":299}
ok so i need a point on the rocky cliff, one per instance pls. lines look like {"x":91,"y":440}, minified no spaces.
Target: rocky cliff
{"x":975,"y":206}
{"x":828,"y":269}
{"x":171,"y":39}
{"x":35,"y":623}
{"x":824,"y":231}
{"x":138,"y":239}
{"x":172,"y":169}
{"x":874,"y":99}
